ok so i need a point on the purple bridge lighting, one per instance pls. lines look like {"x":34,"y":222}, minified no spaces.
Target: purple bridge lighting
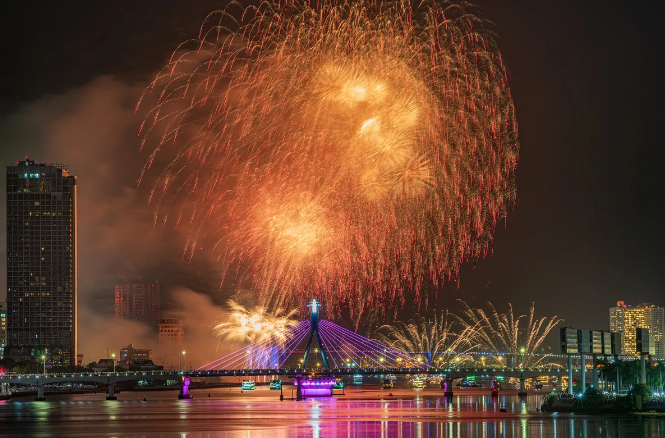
{"x":316,"y":344}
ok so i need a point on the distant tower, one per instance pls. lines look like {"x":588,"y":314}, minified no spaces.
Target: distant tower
{"x":139,"y":302}
{"x":123,"y":303}
{"x":146,"y":303}
{"x":41,"y":262}
{"x":314,"y":329}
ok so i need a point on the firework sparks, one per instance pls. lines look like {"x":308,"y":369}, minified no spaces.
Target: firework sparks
{"x":502,"y":333}
{"x":256,"y":325}
{"x":347,"y":150}
{"x":433,"y":340}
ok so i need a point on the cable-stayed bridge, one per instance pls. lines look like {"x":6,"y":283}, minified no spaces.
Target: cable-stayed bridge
{"x":316,"y":347}
{"x":321,"y":347}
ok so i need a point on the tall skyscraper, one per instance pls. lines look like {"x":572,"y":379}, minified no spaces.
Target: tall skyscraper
{"x":41,"y":262}
{"x":627,"y":319}
{"x":3,"y":329}
{"x":138,"y":302}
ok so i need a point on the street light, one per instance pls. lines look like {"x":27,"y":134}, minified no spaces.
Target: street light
{"x":181,"y":358}
{"x":44,"y":359}
{"x":113,"y":356}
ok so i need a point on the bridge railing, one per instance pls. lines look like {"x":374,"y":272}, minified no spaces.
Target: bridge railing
{"x":93,"y":374}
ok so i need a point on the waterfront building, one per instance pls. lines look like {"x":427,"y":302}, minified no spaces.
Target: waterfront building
{"x":627,"y":319}
{"x":104,"y":366}
{"x":138,"y":302}
{"x":656,"y":317}
{"x":171,"y":331}
{"x":130,"y":354}
{"x":3,"y":329}
{"x":41,"y":262}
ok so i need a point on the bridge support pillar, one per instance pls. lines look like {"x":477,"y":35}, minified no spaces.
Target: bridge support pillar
{"x":111,"y":395}
{"x":40,"y":393}
{"x":522,"y":391}
{"x":643,"y":371}
{"x":447,"y":387}
{"x":583,"y":371}
{"x":184,"y":389}
{"x":570,"y":374}
{"x":595,"y":372}
{"x":299,"y":388}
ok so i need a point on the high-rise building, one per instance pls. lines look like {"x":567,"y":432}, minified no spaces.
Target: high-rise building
{"x":123,"y":304}
{"x":627,"y":319}
{"x":138,"y":302}
{"x":656,"y":317}
{"x":3,"y":329}
{"x":41,"y":262}
{"x":616,"y":317}
{"x":146,"y":303}
{"x":171,"y":331}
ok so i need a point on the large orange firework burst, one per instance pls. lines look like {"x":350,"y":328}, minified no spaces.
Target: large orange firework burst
{"x":343,"y":150}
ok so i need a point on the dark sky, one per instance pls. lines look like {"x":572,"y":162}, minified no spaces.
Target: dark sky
{"x":587,"y":84}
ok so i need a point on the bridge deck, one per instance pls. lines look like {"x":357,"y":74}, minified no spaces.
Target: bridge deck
{"x":45,"y":379}
{"x":516,"y":372}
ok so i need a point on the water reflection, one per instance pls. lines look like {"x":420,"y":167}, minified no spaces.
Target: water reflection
{"x":585,"y":428}
{"x":261,"y":415}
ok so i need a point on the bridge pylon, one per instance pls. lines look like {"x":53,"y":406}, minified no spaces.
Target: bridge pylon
{"x":314,"y":329}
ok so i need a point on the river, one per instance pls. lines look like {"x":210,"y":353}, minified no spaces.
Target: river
{"x":362,"y":412}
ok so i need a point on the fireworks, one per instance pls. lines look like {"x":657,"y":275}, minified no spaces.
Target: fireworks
{"x":256,"y":325}
{"x":344,"y":150}
{"x":285,"y":348}
{"x":501,"y":332}
{"x":431,"y":340}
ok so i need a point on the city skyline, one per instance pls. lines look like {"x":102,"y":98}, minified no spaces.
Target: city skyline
{"x":267,"y":218}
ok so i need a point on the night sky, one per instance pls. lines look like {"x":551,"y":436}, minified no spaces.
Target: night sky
{"x":587,"y":84}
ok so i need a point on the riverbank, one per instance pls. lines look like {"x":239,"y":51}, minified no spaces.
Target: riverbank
{"x":639,"y":400}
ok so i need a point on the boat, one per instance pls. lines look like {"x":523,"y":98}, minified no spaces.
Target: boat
{"x":248,"y":385}
{"x":419,"y":383}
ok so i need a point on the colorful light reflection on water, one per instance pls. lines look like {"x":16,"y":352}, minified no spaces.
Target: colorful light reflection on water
{"x":364,"y":412}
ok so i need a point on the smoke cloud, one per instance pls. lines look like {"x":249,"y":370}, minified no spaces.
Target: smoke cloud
{"x":94,"y":130}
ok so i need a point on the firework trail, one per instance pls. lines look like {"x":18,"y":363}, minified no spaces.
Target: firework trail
{"x":347,"y":150}
{"x":433,"y":340}
{"x":501,"y":333}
